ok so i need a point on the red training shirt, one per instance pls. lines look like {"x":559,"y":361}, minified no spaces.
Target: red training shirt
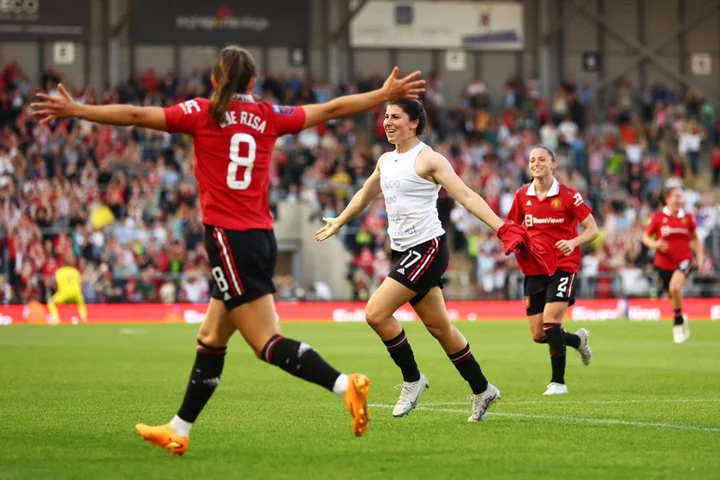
{"x":677,"y":231}
{"x":555,"y":218}
{"x":232,"y":161}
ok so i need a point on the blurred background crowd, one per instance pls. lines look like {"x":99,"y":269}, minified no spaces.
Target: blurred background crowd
{"x":121,"y":204}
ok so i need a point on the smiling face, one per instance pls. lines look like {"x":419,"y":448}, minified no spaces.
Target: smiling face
{"x":541,"y":163}
{"x":397,"y":124}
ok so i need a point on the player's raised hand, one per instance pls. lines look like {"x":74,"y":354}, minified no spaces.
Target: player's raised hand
{"x":411,"y":86}
{"x":331,"y":228}
{"x":566,"y":246}
{"x":51,"y":108}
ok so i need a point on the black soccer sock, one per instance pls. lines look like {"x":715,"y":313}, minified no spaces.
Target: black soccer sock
{"x":556,"y":342}
{"x":204,"y":379}
{"x":299,"y":359}
{"x":679,"y":319}
{"x":470,"y":370}
{"x":401,"y":352}
{"x":571,"y":340}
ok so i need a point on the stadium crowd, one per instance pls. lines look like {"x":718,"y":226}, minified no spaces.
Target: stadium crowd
{"x":122,"y":203}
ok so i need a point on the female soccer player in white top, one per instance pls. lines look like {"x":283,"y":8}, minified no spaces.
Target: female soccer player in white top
{"x":410,"y":178}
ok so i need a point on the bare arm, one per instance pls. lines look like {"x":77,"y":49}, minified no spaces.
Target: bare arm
{"x":393,"y":88}
{"x":63,"y":106}
{"x":362,"y":198}
{"x":697,"y":247}
{"x":439,"y":169}
{"x":648,"y":241}
{"x":589,"y":234}
{"x":360,"y":201}
{"x":147,"y":117}
{"x":651,"y":242}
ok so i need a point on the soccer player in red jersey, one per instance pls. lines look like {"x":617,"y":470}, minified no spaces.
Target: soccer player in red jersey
{"x":552,"y":210}
{"x":671,"y":233}
{"x":233,"y":136}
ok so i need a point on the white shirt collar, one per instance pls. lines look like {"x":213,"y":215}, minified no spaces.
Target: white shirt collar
{"x":680,"y":214}
{"x":243,"y":97}
{"x":554,"y":189}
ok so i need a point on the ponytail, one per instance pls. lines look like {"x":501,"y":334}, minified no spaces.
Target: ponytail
{"x":233,"y":72}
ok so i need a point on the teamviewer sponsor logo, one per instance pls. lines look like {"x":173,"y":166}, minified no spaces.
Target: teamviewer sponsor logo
{"x":667,"y":231}
{"x":715,"y":313}
{"x":530,"y":220}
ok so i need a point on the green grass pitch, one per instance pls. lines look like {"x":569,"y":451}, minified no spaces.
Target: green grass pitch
{"x":645,"y":407}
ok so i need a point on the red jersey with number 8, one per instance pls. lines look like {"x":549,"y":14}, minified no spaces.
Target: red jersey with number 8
{"x":555,"y":218}
{"x":232,"y":160}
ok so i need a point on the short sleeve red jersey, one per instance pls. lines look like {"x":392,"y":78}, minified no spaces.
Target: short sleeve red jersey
{"x":555,"y":217}
{"x":677,"y":231}
{"x":232,"y":160}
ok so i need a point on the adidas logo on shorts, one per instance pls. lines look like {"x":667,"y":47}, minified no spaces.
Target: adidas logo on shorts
{"x":401,"y":270}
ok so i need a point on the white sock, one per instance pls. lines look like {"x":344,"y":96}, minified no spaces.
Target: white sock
{"x":180,"y":426}
{"x":341,"y":385}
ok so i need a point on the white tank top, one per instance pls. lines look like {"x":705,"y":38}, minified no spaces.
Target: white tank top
{"x":410,"y":201}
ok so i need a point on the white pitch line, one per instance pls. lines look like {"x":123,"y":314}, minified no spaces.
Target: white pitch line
{"x":562,"y":418}
{"x":590,"y":402}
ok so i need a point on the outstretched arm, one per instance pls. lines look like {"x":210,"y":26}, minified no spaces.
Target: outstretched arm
{"x":63,"y":106}
{"x":393,"y":88}
{"x":360,"y":201}
{"x":442,"y":173}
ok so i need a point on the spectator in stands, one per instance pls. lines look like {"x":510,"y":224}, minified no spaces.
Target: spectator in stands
{"x":125,"y":200}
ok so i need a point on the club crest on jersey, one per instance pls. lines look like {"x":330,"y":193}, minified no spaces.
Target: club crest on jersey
{"x":556,"y":203}
{"x":283,"y":110}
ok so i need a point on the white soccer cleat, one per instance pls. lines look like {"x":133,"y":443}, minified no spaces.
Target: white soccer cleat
{"x":584,"y":349}
{"x":482,"y":402}
{"x":681,"y":333}
{"x":409,"y":395}
{"x":556,"y":389}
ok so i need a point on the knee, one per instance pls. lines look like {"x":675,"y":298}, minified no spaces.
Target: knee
{"x":375,"y":317}
{"x":675,"y":290}
{"x":538,"y":336}
{"x":439,"y":330}
{"x":210,"y":337}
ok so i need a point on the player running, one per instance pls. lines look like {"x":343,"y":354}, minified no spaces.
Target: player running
{"x":410,"y":178}
{"x":672,"y":234}
{"x":233,"y":137}
{"x":69,"y":291}
{"x":552,"y":210}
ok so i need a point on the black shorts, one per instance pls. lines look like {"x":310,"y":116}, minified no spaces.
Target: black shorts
{"x":543,"y":289}
{"x":420,"y":268}
{"x":685,"y":267}
{"x":242,"y":264}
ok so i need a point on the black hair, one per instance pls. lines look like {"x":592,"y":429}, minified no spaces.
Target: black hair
{"x":414,"y":109}
{"x":547,"y":149}
{"x":233,"y":71}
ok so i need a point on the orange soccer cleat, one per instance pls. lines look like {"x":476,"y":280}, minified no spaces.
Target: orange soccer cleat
{"x":164,"y":437}
{"x":355,"y":398}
